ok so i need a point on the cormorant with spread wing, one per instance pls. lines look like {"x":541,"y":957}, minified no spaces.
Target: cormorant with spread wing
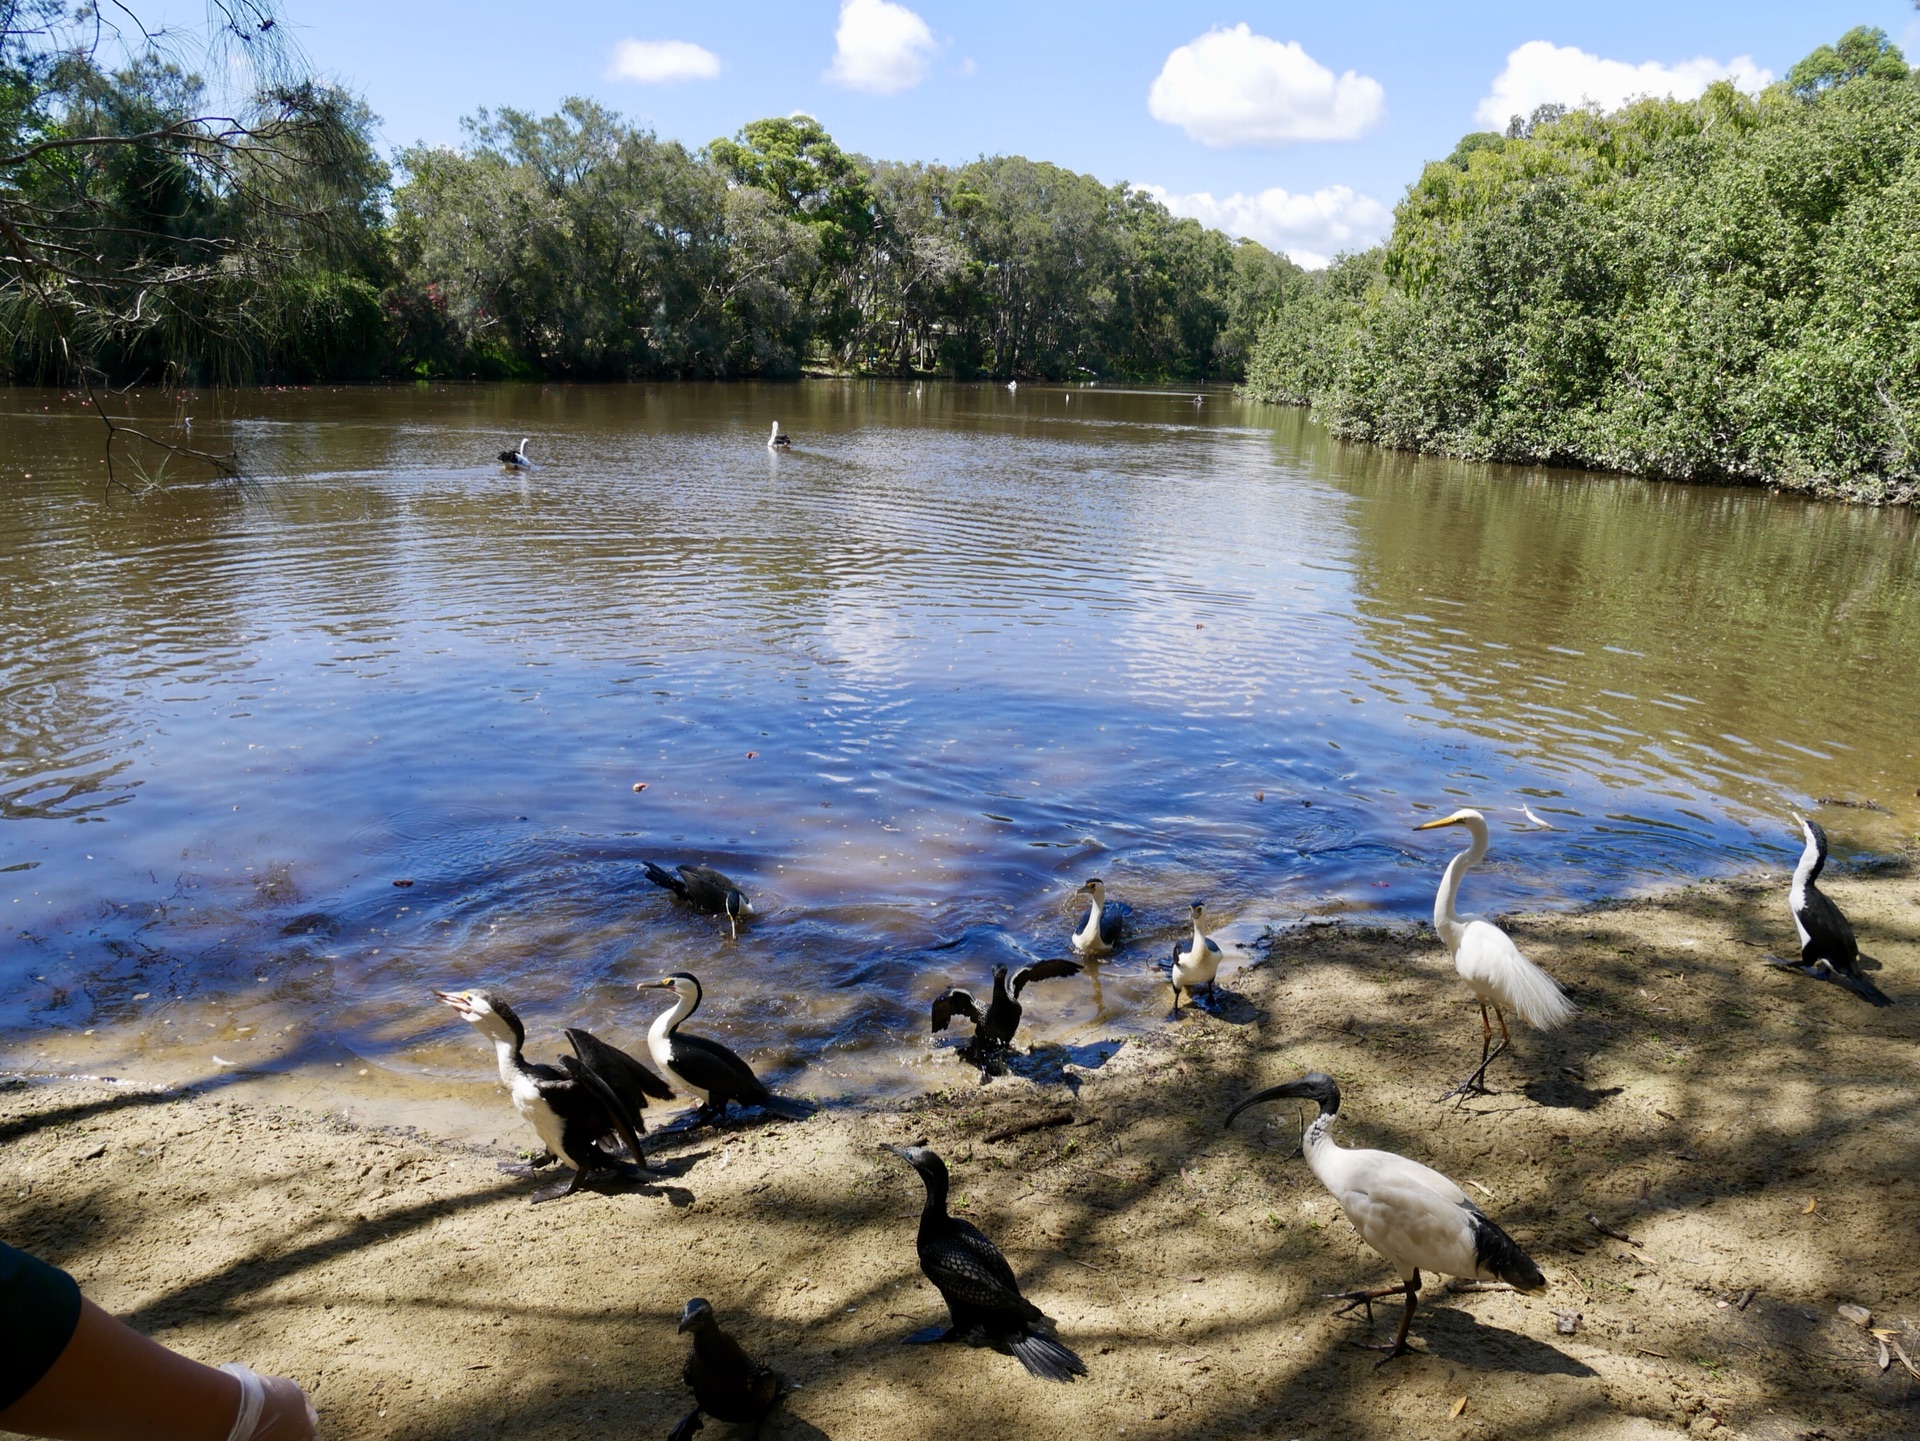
{"x":706,"y":1068}
{"x":994,"y":1028}
{"x":983,"y":1298}
{"x":597,"y":1091}
{"x":705,"y":890}
{"x":727,"y":1383}
{"x":1828,"y":951}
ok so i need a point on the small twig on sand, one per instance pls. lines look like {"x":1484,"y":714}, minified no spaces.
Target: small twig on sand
{"x":1037,"y":1123}
{"x":1745,"y":1298}
{"x":1605,"y":1230}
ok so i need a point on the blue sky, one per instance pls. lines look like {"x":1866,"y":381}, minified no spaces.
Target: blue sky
{"x":1298,"y":124}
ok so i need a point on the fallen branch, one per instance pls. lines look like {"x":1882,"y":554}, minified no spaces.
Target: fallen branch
{"x":1605,"y":1230}
{"x":1036,"y":1123}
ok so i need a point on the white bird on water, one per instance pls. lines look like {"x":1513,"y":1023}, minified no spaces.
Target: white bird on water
{"x":1409,"y":1213}
{"x":779,"y":440}
{"x":517,"y":459}
{"x":1488,"y":960}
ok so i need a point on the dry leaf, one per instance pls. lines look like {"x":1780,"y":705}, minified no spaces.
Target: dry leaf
{"x":1457,"y":1408}
{"x":1812,"y":1201}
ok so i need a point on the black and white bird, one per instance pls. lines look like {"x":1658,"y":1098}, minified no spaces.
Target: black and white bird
{"x":598,"y":1091}
{"x":983,"y":1299}
{"x":1196,"y":962}
{"x":705,"y":890}
{"x":779,"y":440}
{"x":517,"y":458}
{"x":727,"y":1384}
{"x":1828,"y":951}
{"x":1409,"y":1213}
{"x":1100,"y":931}
{"x":1488,"y":960}
{"x":994,"y":1028}
{"x":706,"y":1069}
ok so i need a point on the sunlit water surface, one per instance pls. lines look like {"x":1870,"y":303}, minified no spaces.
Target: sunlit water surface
{"x":910,"y":683}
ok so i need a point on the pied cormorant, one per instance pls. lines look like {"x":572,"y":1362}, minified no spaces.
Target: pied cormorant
{"x":779,"y":440}
{"x":706,"y":1069}
{"x":1828,"y":951}
{"x":597,"y":1091}
{"x":1100,"y":932}
{"x":706,"y":890}
{"x":1195,"y":963}
{"x":517,"y":458}
{"x":1409,"y":1213}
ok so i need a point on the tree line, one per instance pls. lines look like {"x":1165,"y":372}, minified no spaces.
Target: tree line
{"x":148,"y":235}
{"x":1726,"y":289}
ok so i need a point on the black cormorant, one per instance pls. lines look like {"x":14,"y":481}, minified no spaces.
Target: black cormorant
{"x":1196,"y":963}
{"x":517,"y":458}
{"x":1828,"y":951}
{"x":1409,"y":1213}
{"x":1100,"y":932}
{"x":597,"y":1091}
{"x":993,"y":1029}
{"x":983,"y":1298}
{"x":706,"y":1068}
{"x":727,"y":1384}
{"x":705,"y":890}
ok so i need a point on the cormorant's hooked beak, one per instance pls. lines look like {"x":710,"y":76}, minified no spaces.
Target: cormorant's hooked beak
{"x":457,"y":999}
{"x":665,"y":983}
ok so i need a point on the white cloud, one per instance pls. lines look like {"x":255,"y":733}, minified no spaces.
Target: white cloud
{"x":651,"y":62}
{"x":1541,"y":73}
{"x":880,"y":47}
{"x":1232,"y":87}
{"x":1310,"y":229}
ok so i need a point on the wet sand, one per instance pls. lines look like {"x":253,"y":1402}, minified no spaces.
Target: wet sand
{"x":1753,"y":1132}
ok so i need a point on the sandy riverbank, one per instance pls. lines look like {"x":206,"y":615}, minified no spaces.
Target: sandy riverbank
{"x":1756,"y":1132}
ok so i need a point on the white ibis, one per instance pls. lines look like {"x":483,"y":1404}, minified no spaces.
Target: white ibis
{"x":1409,"y":1213}
{"x":1828,"y":951}
{"x":1488,"y":960}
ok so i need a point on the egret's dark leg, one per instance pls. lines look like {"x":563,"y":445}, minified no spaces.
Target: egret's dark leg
{"x":1476,"y":1084}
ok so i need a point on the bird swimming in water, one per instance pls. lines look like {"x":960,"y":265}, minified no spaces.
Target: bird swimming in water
{"x":1100,"y":932}
{"x":705,"y":890}
{"x":983,"y":1298}
{"x":779,"y":440}
{"x":1487,"y":959}
{"x":1409,"y":1213}
{"x":1828,"y":950}
{"x":704,"y":1068}
{"x":727,"y":1384}
{"x":1196,"y":963}
{"x":597,"y":1091}
{"x":517,"y":458}
{"x":994,"y":1028}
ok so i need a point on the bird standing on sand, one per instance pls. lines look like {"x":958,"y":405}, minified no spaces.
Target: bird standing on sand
{"x":779,"y":440}
{"x":1828,"y":951}
{"x":597,"y":1091}
{"x":727,"y":1384}
{"x":706,"y":1069}
{"x":705,"y":890}
{"x":994,"y":1028}
{"x":1409,"y":1213}
{"x":1196,"y":963}
{"x":1100,"y":932}
{"x":517,"y":458}
{"x":983,"y":1298}
{"x":1488,"y":960}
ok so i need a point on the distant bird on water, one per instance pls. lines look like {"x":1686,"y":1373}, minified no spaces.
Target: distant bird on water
{"x":994,"y":1028}
{"x":1100,"y":932}
{"x":1196,"y":962}
{"x":705,"y":890}
{"x":779,"y":440}
{"x":1828,"y":951}
{"x":517,"y":458}
{"x":597,"y":1091}
{"x":727,"y":1384}
{"x":708,"y":1070}
{"x":1409,"y":1213}
{"x":1488,"y":960}
{"x":983,"y":1298}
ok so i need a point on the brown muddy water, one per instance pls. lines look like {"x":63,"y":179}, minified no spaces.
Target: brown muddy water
{"x":910,"y":683}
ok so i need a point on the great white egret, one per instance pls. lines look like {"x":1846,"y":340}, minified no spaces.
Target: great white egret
{"x":1488,"y":960}
{"x":1409,"y":1213}
{"x":1828,"y":951}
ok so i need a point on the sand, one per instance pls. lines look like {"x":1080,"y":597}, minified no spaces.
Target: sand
{"x":1753,"y":1132}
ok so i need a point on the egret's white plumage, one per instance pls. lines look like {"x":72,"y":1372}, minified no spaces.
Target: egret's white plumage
{"x":1486,"y":957}
{"x":1411,"y":1214}
{"x":1195,"y":963}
